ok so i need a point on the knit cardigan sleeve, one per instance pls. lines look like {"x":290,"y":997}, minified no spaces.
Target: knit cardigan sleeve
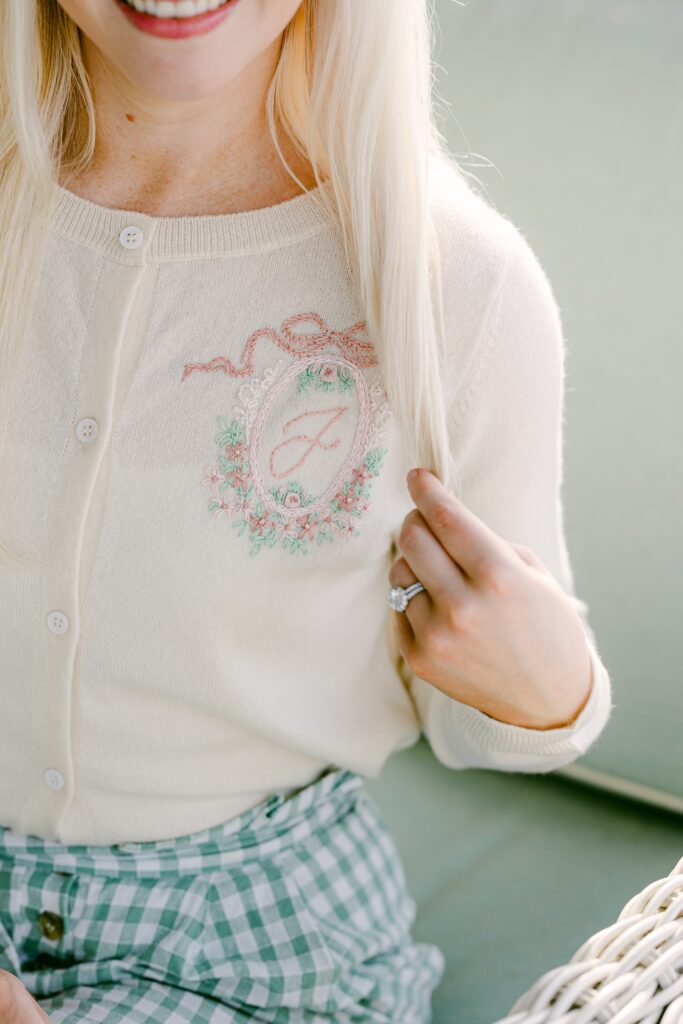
{"x":505,"y":423}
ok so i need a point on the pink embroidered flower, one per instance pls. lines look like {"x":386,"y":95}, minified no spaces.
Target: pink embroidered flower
{"x":238,"y":477}
{"x":225,"y":505}
{"x":328,"y":372}
{"x":259,"y":524}
{"x":213,"y":477}
{"x":361,"y":473}
{"x":292,"y":499}
{"x":235,"y":452}
{"x":347,"y":528}
{"x":290,"y":528}
{"x":348,"y":501}
{"x":309,"y":528}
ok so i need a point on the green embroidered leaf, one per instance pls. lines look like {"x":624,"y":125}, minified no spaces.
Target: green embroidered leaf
{"x":231,"y":433}
{"x":305,"y":379}
{"x":262,"y":540}
{"x":374,"y":458}
{"x":228,"y":465}
{"x":294,"y":544}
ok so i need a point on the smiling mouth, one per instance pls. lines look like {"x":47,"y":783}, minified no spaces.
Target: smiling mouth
{"x":167,"y":10}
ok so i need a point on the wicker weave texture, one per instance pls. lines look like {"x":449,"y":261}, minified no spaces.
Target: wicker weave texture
{"x":628,"y":973}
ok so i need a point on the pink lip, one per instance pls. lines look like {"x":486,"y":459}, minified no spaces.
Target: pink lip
{"x":176,"y":28}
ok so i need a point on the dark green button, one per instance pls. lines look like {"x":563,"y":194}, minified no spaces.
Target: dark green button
{"x":51,"y":925}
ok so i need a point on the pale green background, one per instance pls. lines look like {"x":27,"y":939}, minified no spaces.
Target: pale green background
{"x":578,"y":104}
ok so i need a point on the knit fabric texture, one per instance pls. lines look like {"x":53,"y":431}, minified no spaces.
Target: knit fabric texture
{"x":205,"y":466}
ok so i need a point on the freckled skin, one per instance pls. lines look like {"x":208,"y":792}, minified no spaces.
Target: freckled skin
{"x":192,"y":110}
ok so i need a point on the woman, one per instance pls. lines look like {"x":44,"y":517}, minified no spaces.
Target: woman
{"x":244,"y":290}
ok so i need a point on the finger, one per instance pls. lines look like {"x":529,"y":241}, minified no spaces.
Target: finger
{"x":37,"y":1008}
{"x":419,"y":608}
{"x":473,"y":545}
{"x":429,"y":561}
{"x":407,"y":641}
{"x":401,"y":575}
{"x":528,"y":556}
{"x":22,"y":1006}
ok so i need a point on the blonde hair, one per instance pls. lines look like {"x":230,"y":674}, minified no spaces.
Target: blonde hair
{"x":353,"y":90}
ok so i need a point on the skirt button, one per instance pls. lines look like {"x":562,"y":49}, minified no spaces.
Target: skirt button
{"x":51,"y":925}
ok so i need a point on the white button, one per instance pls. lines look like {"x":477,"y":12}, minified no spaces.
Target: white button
{"x":86,"y":429}
{"x":58,"y":622}
{"x":131,"y":237}
{"x":54,"y":779}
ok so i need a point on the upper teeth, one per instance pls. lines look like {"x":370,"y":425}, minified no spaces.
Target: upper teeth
{"x":170,"y":9}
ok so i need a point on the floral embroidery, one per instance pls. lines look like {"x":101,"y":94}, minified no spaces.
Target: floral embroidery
{"x":266,"y":528}
{"x":326,"y":377}
{"x":289,"y":515}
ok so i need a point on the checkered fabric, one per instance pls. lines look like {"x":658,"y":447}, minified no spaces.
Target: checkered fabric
{"x":296,"y":910}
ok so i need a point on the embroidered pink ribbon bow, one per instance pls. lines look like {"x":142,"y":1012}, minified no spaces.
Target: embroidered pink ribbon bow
{"x":360,"y":353}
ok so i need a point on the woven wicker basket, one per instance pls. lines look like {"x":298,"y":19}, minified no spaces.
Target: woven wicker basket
{"x":628,"y":973}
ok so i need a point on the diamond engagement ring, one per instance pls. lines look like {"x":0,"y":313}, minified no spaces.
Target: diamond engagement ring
{"x":398,"y":597}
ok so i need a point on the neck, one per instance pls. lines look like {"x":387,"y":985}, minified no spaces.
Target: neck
{"x":170,"y":158}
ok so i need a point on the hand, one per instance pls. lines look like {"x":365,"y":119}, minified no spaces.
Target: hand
{"x":17,"y":1005}
{"x":493,"y":629}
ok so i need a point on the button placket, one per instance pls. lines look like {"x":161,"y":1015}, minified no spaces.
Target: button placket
{"x":66,"y":528}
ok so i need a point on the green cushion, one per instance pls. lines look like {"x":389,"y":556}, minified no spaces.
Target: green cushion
{"x":513,"y":872}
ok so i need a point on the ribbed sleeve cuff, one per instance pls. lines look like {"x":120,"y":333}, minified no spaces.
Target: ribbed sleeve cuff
{"x":465,"y":737}
{"x":505,"y":739}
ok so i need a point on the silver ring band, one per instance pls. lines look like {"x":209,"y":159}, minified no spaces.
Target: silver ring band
{"x":398,"y":597}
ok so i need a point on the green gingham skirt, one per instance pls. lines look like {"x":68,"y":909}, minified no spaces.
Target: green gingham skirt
{"x":296,"y":910}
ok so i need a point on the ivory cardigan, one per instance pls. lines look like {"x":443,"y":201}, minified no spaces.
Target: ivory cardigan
{"x":205,"y":468}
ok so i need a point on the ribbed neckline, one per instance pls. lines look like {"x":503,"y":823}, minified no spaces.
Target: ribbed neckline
{"x":189,"y":236}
